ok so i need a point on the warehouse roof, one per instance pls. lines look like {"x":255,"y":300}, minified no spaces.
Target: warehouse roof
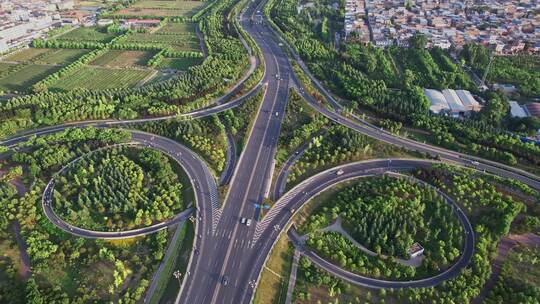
{"x":437,"y":100}
{"x":453,"y":101}
{"x":468,"y":100}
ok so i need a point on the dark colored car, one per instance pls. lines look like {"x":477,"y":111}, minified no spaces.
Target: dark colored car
{"x":225,"y":280}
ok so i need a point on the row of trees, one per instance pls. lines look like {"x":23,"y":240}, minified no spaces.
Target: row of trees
{"x":339,"y":145}
{"x":196,"y":87}
{"x":66,"y":44}
{"x":300,"y":124}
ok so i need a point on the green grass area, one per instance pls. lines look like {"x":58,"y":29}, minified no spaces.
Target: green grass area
{"x":159,"y":8}
{"x":24,"y":78}
{"x":101,"y":78}
{"x":116,"y":58}
{"x":177,"y":28}
{"x":272,"y":289}
{"x":179,"y":262}
{"x":24,"y":55}
{"x":178,"y":42}
{"x":6,"y":65}
{"x":181,"y":64}
{"x":94,"y":34}
{"x":61,"y":56}
{"x":159,"y":77}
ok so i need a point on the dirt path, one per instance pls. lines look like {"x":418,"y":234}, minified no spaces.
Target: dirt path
{"x":336,"y":227}
{"x":505,"y":245}
{"x":24,"y":270}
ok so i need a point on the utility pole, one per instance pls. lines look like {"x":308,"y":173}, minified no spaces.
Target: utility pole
{"x":487,"y":70}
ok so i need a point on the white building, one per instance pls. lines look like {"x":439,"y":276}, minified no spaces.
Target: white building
{"x":516,"y":110}
{"x":437,"y":100}
{"x":468,"y":100}
{"x":455,"y":104}
{"x":416,"y":250}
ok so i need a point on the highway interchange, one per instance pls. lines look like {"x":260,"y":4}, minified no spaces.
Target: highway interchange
{"x":229,"y":251}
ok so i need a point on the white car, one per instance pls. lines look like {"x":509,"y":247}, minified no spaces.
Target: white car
{"x":248,"y":222}
{"x":339,"y":172}
{"x":243,"y":220}
{"x":277,"y":113}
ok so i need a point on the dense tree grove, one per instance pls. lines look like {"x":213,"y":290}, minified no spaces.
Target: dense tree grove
{"x":206,"y":136}
{"x":119,"y":188}
{"x":300,"y":124}
{"x":491,"y":203}
{"x":106,"y":270}
{"x":338,"y":145}
{"x":389,"y":81}
{"x":520,"y":70}
{"x":195,"y":88}
{"x":11,"y":286}
{"x":519,"y":280}
{"x":387,"y":215}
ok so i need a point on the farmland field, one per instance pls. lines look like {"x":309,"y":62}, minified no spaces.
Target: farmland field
{"x":163,"y":8}
{"x":179,"y":63}
{"x":177,"y":28}
{"x":6,"y":65}
{"x":101,"y":78}
{"x":24,"y":78}
{"x":24,"y":55}
{"x":61,"y":56}
{"x":115,"y":58}
{"x":87,"y":34}
{"x":178,"y":42}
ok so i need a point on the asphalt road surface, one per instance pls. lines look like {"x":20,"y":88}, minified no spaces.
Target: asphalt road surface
{"x":229,"y":253}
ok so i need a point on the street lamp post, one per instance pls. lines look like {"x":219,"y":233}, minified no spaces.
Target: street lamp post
{"x":177,"y":274}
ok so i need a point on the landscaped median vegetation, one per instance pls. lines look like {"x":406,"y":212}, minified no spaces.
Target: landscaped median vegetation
{"x":65,"y":268}
{"x":205,"y":136}
{"x":118,"y":189}
{"x":329,"y":144}
{"x":385,"y":215}
{"x":197,"y":87}
{"x":389,"y":82}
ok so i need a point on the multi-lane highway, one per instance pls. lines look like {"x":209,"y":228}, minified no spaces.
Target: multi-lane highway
{"x":229,"y":255}
{"x":225,"y":274}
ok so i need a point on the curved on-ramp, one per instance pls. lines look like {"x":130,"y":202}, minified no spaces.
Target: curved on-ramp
{"x":282,"y":212}
{"x":194,"y":167}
